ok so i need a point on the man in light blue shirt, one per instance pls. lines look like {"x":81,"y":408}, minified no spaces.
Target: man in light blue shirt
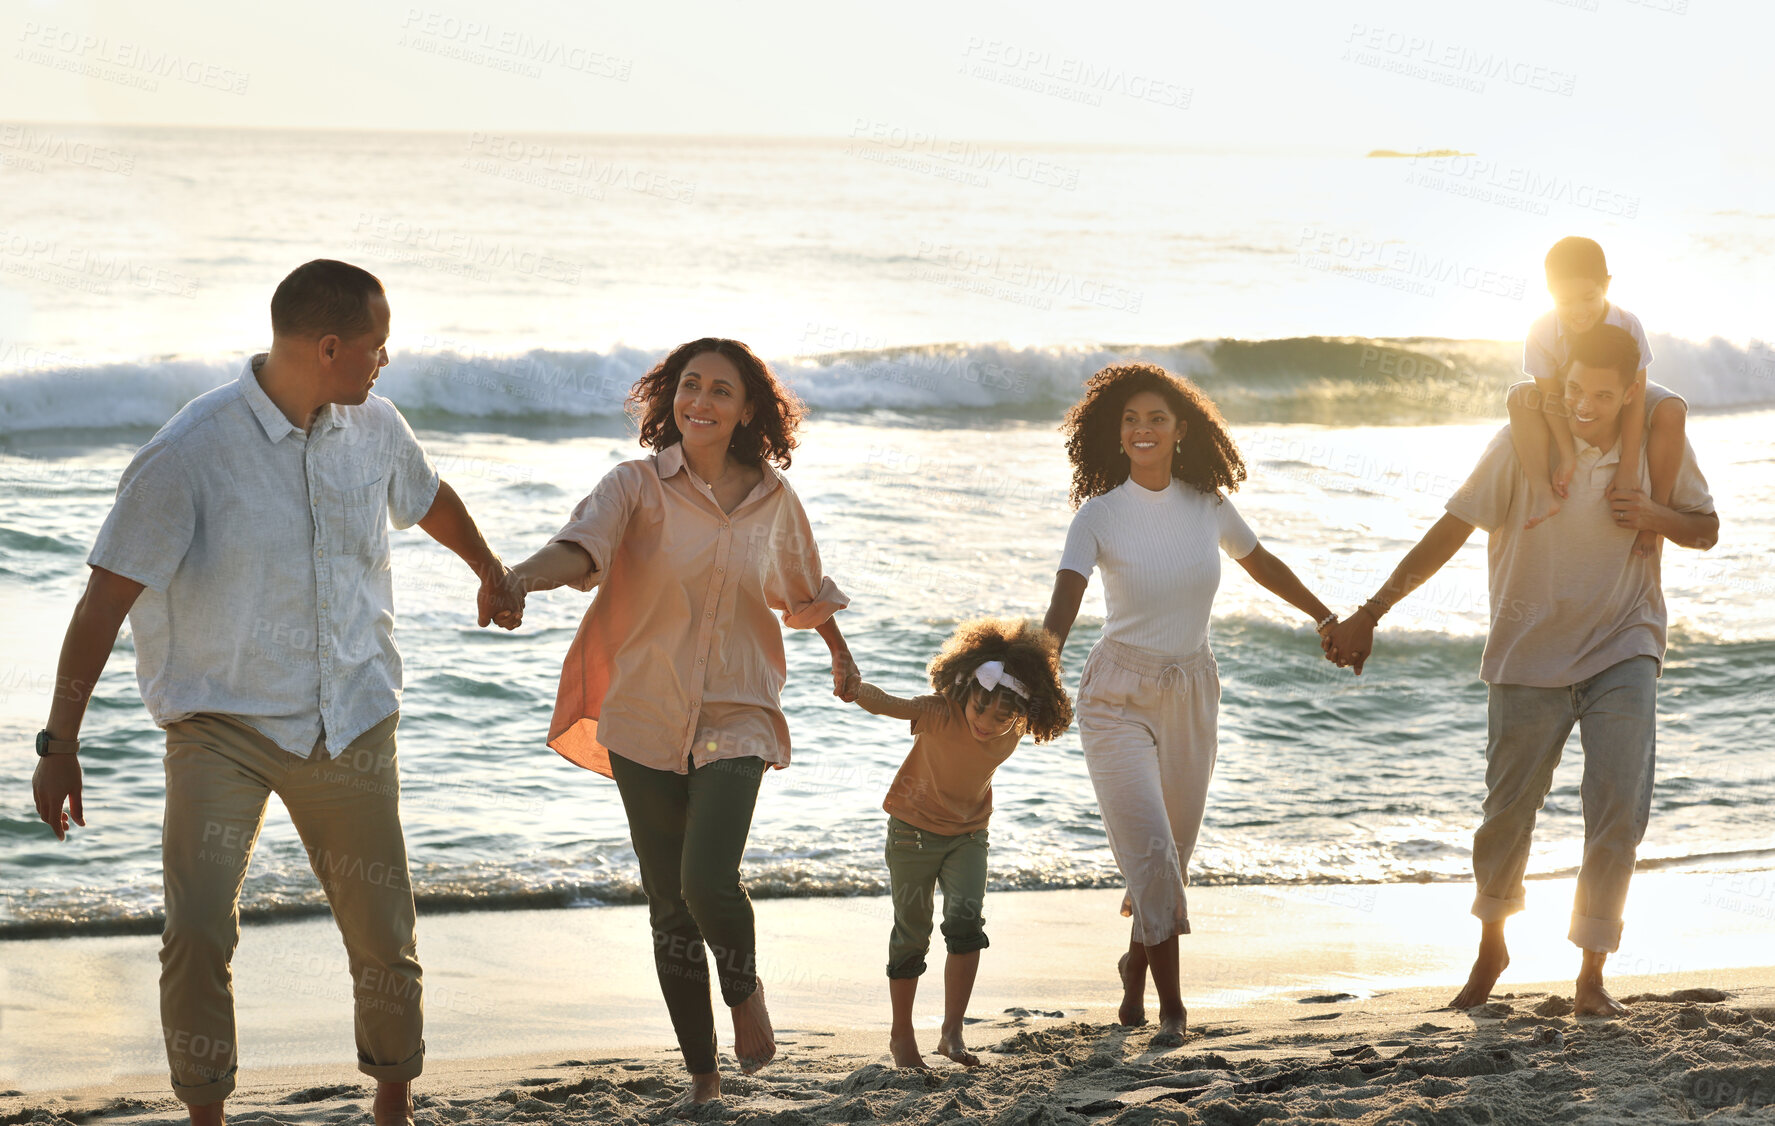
{"x":249,"y":548}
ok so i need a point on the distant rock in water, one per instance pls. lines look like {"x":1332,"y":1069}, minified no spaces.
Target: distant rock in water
{"x":1424,"y":153}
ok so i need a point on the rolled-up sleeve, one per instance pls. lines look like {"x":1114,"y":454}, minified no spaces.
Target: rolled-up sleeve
{"x":151,"y":525}
{"x":795,"y":583}
{"x":412,"y":478}
{"x":598,"y":521}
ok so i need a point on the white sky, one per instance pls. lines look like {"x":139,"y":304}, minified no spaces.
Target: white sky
{"x":1269,"y":76}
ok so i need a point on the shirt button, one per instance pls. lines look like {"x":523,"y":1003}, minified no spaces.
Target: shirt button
{"x":710,"y":614}
{"x":724,"y":527}
{"x":323,"y":606}
{"x":721,"y":570}
{"x":699,"y":660}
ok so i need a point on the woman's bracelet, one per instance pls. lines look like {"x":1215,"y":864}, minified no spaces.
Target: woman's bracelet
{"x":1325,"y":623}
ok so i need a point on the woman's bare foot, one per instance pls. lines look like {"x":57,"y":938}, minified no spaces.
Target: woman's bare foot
{"x":754,"y":1042}
{"x":393,"y":1105}
{"x":1493,"y":959}
{"x":1172,"y":1030}
{"x":1543,"y":504}
{"x":1132,"y":1014}
{"x":950,"y":1044}
{"x":904,"y":1046}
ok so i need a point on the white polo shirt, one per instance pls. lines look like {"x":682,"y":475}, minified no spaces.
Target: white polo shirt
{"x":264,"y":552}
{"x":1549,"y":346}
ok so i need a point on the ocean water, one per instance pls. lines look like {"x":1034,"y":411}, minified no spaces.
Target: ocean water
{"x":1357,"y":321}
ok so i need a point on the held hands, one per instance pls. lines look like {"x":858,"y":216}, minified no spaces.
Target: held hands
{"x":1349,"y":642}
{"x":846,"y":680}
{"x":57,"y":780}
{"x":500,"y":600}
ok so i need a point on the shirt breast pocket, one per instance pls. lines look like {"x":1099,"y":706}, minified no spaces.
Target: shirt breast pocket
{"x":363,"y":523}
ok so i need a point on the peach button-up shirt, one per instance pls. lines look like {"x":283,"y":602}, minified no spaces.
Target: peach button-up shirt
{"x":679,"y":658}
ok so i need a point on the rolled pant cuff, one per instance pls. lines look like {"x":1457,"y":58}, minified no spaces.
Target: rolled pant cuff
{"x":966,"y":943}
{"x":403,"y":1072}
{"x":1601,"y":936}
{"x":203,"y":1094}
{"x":1491,"y":909}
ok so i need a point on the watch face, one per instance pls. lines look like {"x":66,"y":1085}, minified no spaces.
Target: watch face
{"x":43,"y":742}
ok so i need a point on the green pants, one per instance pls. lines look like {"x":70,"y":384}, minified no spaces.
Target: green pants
{"x":918,"y":862}
{"x":689,"y":831}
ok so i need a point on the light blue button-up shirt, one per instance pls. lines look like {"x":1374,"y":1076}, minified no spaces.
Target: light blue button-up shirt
{"x":264,"y":554}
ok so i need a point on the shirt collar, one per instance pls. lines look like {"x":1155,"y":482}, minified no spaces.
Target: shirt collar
{"x":669,"y":461}
{"x":277,"y":427}
{"x":1610,"y":456}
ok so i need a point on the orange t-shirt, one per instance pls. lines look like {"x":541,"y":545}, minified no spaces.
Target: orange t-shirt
{"x":945,"y":784}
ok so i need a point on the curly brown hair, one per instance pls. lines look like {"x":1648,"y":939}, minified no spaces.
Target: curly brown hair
{"x":1209,"y":461}
{"x":1029,"y":652}
{"x":777,"y":411}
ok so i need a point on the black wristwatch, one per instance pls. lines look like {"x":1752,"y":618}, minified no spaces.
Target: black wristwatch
{"x":46,"y":745}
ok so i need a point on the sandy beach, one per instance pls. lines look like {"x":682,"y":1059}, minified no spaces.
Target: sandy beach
{"x":1306,"y":1003}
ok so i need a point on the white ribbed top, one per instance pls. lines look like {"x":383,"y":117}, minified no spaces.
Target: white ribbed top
{"x":1159,"y":560}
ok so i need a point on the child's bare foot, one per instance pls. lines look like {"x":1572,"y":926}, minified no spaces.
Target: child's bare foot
{"x":1645,"y":545}
{"x":904,"y":1046}
{"x":754,"y":1042}
{"x":1543,"y":504}
{"x":1493,"y":958}
{"x":1171,"y":1030}
{"x":1132,"y":1014}
{"x":393,"y":1105}
{"x":1562,"y":473}
{"x":950,"y":1044}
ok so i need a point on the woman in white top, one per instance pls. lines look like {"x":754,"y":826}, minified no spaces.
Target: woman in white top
{"x":1150,"y":456}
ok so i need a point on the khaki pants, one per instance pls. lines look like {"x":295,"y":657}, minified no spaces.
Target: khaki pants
{"x":1149,"y":728}
{"x":219,"y":774}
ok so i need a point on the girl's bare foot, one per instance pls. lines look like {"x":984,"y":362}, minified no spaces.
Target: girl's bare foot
{"x":950,"y":1044}
{"x":1645,"y":545}
{"x":904,"y":1046}
{"x":1543,"y":503}
{"x":1171,"y":1030}
{"x":1132,"y":1014}
{"x":1563,"y":471}
{"x":754,"y":1042}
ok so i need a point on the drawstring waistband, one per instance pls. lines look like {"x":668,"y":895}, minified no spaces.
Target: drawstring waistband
{"x":1146,"y":664}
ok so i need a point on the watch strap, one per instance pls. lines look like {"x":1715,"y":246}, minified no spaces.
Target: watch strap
{"x":49,"y":745}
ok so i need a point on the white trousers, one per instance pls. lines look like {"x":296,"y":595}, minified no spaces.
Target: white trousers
{"x":1149,"y":727}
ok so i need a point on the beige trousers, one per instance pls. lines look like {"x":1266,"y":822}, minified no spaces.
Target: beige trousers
{"x":219,"y":774}
{"x":1149,"y":728}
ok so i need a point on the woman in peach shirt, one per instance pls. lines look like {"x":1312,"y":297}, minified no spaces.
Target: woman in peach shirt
{"x":672,"y":685}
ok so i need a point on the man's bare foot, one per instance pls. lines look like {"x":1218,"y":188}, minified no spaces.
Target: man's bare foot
{"x":904,"y":1046}
{"x":704,"y":1088}
{"x":1493,"y":958}
{"x":1132,"y":1014}
{"x":754,"y":1042}
{"x":210,"y":1115}
{"x":1171,"y":1030}
{"x":1645,"y":545}
{"x":1543,"y":504}
{"x":950,"y":1044}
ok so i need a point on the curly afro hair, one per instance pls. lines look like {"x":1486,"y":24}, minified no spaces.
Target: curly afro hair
{"x":1029,"y":653}
{"x":1209,"y":461}
{"x":777,"y":412}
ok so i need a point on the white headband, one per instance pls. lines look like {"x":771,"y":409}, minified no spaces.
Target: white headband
{"x":992,"y":674}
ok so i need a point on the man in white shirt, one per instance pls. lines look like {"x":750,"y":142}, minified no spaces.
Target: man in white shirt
{"x":249,"y":548}
{"x":1577,"y":638}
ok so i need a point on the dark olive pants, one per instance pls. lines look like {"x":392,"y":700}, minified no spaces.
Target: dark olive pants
{"x":689,"y":831}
